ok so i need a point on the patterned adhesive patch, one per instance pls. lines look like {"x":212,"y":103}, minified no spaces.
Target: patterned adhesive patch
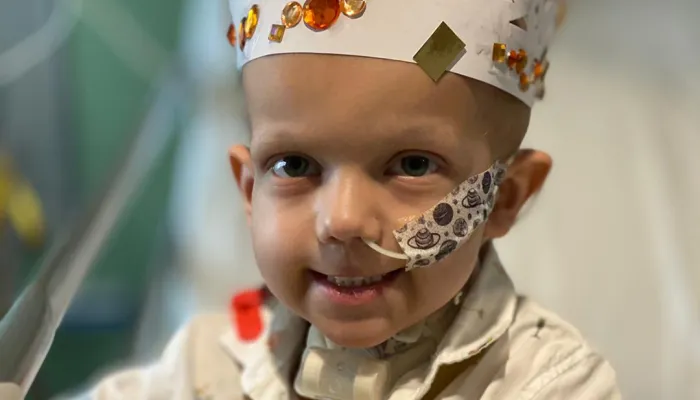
{"x":444,"y":228}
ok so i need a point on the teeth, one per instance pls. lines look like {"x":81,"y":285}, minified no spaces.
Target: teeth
{"x":354,"y":282}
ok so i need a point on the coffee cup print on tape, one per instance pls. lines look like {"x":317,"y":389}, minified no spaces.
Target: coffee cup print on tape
{"x":444,"y":228}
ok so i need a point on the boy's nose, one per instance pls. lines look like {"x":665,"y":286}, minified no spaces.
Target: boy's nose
{"x":347,"y":210}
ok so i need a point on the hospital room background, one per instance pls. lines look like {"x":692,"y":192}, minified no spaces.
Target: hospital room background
{"x":610,"y":244}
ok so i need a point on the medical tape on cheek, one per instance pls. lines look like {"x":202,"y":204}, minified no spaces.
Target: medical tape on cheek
{"x":445,"y":227}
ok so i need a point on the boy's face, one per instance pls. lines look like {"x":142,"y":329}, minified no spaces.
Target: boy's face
{"x":345,"y":148}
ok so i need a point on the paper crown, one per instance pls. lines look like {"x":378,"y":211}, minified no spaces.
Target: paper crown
{"x":499,"y":42}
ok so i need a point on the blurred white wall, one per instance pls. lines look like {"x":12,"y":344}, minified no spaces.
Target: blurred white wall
{"x":612,"y":242}
{"x":211,"y":227}
{"x":212,"y":257}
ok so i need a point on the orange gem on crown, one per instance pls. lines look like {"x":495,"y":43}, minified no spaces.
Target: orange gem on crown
{"x":320,"y":15}
{"x":291,"y":14}
{"x":538,"y":71}
{"x":231,"y":35}
{"x":524,"y":82}
{"x":354,"y":8}
{"x":512,"y":59}
{"x":517,"y":60}
{"x":522,"y":63}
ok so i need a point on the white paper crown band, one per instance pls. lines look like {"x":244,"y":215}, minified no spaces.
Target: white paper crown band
{"x":499,"y":42}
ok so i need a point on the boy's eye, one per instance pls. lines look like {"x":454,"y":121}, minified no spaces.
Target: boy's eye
{"x":294,"y":167}
{"x":413,"y":166}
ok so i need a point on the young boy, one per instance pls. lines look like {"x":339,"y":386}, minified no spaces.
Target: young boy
{"x":384,"y":160}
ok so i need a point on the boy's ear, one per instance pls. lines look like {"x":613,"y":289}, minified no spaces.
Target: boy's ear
{"x":525,"y":177}
{"x":243,"y":172}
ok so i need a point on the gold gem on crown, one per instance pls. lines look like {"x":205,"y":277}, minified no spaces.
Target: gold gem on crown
{"x":318,"y":15}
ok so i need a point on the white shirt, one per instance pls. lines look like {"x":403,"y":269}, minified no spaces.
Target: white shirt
{"x":507,"y":347}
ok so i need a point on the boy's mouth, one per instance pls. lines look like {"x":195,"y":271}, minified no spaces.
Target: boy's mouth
{"x":358,"y":282}
{"x":352,"y":290}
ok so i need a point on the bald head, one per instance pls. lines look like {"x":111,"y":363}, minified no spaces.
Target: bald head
{"x":348,"y":95}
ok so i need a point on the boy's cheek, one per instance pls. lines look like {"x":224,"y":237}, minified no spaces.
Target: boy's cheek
{"x":280,"y":237}
{"x":281,"y":262}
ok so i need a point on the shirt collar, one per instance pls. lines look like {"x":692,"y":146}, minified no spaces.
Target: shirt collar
{"x":485,"y":315}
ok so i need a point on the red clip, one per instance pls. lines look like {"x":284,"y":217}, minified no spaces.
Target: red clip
{"x":246,"y":308}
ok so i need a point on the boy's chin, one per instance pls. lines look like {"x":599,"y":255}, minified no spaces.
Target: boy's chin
{"x":357,"y":334}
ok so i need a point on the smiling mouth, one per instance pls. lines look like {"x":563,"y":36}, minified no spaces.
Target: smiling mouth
{"x":357,"y":282}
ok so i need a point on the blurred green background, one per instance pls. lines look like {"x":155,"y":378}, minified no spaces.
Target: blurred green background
{"x":105,"y":102}
{"x":109,"y":103}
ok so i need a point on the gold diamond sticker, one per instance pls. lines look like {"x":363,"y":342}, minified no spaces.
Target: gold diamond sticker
{"x":440,"y":52}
